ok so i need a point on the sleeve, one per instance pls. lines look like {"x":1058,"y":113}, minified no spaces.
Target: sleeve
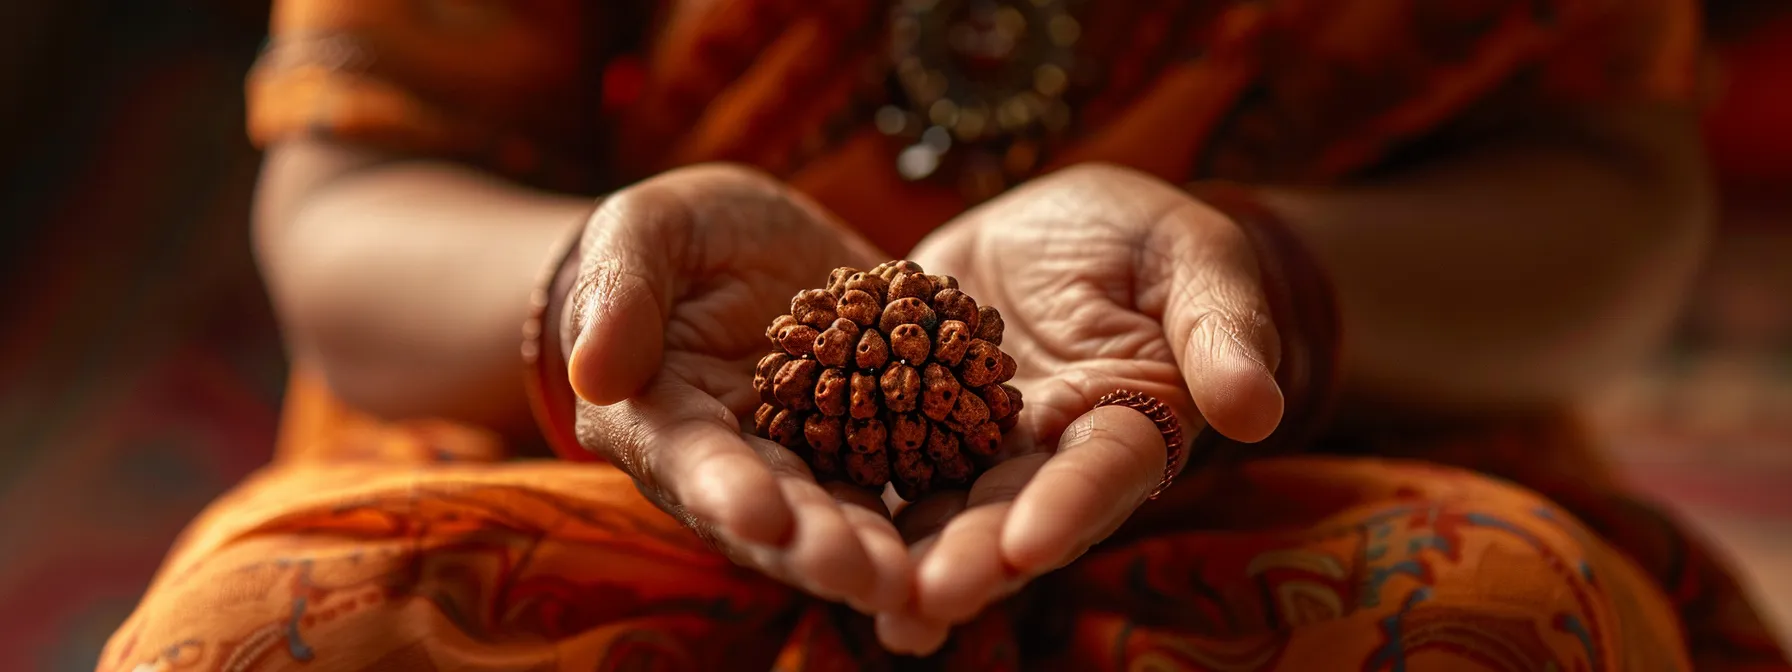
{"x":505,"y":84}
{"x":1342,"y":85}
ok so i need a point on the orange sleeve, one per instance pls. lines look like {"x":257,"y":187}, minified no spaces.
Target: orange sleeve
{"x":1343,"y":84}
{"x":507,"y":84}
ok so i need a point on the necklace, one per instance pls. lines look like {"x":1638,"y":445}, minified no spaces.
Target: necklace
{"x":977,"y":88}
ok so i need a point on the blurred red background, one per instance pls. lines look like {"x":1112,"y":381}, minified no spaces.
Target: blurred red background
{"x":140,"y":369}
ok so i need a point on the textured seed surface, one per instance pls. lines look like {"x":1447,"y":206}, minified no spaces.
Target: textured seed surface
{"x":873,"y":352}
{"x":1014,"y":405}
{"x":868,"y":435}
{"x":982,"y":364}
{"x":814,"y":307}
{"x":832,"y":392}
{"x":989,"y":325}
{"x":824,"y":433}
{"x":996,"y":399}
{"x":950,"y":463}
{"x":983,"y":440}
{"x":913,"y":471}
{"x":859,"y":307}
{"x":766,"y":372}
{"x":762,"y":419}
{"x":952,"y":304}
{"x":795,"y":385}
{"x":888,"y":377}
{"x":798,"y":340}
{"x":874,"y":285}
{"x":970,"y":411}
{"x":866,"y":464}
{"x":867,"y":470}
{"x":775,"y":333}
{"x":901,"y":386}
{"x":889,"y":269}
{"x":952,"y":342}
{"x":909,"y":343}
{"x":907,"y":311}
{"x":837,"y":278}
{"x":912,"y":285}
{"x":834,"y":347}
{"x":787,"y":428}
{"x":864,"y":403}
{"x":940,"y":390}
{"x":907,"y":431}
{"x":825,"y":436}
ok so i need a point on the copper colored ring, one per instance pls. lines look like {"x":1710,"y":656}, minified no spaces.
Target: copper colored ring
{"x":1165,"y":419}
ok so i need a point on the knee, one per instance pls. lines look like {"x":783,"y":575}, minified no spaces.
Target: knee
{"x":1495,"y":567}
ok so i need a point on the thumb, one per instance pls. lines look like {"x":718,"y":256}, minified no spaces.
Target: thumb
{"x":1216,"y":317}
{"x":616,"y":317}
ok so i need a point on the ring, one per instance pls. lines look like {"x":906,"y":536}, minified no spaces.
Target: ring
{"x":1165,"y":419}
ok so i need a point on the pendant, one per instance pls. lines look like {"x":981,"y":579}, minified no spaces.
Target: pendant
{"x":977,"y":90}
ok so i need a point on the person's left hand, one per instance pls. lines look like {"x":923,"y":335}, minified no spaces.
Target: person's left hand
{"x":1107,"y":279}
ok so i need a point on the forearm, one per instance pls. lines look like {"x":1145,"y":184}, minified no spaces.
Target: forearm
{"x":1512,"y":276}
{"x":407,"y":283}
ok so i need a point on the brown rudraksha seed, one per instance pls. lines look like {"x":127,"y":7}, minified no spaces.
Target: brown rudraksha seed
{"x":888,"y":376}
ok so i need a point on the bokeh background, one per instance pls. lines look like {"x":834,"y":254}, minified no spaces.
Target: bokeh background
{"x":140,"y":369}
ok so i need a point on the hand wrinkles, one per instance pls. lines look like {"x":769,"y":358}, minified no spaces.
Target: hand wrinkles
{"x":607,"y":280}
{"x":709,"y":320}
{"x":1069,"y":392}
{"x":716,"y":377}
{"x":1155,"y":262}
{"x":1078,"y":432}
{"x":1075,"y":308}
{"x":618,"y":433}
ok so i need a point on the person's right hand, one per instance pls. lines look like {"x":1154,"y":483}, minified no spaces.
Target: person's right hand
{"x":680,"y":276}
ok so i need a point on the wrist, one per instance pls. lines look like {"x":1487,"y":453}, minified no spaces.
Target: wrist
{"x":552,"y":401}
{"x":1303,"y":305}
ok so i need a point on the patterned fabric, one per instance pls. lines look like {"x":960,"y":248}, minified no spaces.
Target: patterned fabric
{"x":1286,"y":90}
{"x":422,"y":546}
{"x":364,"y":548}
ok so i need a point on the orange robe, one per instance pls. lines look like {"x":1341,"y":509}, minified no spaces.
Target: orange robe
{"x":425,"y":545}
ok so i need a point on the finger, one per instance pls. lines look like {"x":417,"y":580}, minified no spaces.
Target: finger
{"x":869,"y":517}
{"x":1217,"y":319}
{"x":825,"y":555}
{"x":618,"y":309}
{"x":849,"y":570}
{"x":906,"y":633}
{"x":927,"y":517}
{"x":682,"y":444}
{"x":888,"y":558}
{"x":1107,"y":463}
{"x":962,"y":571}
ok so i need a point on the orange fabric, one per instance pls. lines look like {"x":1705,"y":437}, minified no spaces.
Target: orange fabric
{"x":374,"y":547}
{"x":1284,"y":90}
{"x":379,"y":546}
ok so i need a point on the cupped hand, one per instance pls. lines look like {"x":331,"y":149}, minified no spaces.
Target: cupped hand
{"x":1107,"y":279}
{"x":679,"y":277}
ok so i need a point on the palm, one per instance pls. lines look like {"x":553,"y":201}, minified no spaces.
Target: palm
{"x":1074,"y":324}
{"x":741,"y":269}
{"x":679,"y":277}
{"x":1107,"y":280}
